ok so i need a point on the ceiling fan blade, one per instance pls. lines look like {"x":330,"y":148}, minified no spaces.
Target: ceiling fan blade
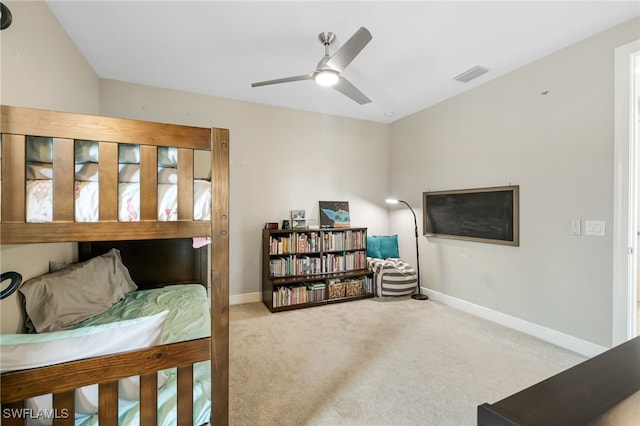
{"x":284,"y":80}
{"x":350,"y":49}
{"x":343,"y":86}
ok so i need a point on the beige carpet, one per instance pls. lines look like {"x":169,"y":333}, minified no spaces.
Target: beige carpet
{"x":377,"y":362}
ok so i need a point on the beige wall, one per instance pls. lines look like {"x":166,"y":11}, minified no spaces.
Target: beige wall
{"x":281,"y":159}
{"x":559,"y":148}
{"x":41,"y":68}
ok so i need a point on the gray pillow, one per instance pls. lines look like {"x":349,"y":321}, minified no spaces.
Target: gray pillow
{"x":55,"y":301}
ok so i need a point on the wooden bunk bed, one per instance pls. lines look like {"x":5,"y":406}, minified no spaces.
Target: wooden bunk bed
{"x":141,"y":243}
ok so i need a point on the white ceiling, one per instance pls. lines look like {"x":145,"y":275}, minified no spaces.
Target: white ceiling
{"x":219,"y":48}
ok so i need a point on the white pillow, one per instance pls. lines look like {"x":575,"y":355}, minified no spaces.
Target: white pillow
{"x":22,"y":351}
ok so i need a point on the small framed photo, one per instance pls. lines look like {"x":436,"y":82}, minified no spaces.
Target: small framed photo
{"x":298,"y":219}
{"x":271,"y":225}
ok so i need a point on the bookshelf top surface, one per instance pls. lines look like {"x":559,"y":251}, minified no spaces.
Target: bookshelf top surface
{"x":308,"y":230}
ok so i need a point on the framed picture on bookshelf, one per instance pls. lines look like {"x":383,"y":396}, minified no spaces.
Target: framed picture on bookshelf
{"x":334,"y":214}
{"x":271,"y":225}
{"x":298,"y":219}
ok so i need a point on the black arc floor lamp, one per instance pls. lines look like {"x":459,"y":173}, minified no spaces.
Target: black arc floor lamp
{"x":418,"y":295}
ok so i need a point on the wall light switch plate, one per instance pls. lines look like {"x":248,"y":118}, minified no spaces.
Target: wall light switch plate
{"x":594,"y":227}
{"x":576,"y":229}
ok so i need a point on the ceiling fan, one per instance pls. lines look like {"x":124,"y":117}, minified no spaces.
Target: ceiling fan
{"x":328,"y":71}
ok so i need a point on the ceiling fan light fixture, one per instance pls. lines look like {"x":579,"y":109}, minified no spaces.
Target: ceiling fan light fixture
{"x":326,"y":78}
{"x":328,"y":70}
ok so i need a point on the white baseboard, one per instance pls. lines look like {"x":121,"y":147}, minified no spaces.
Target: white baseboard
{"x":547,"y":334}
{"x":239,"y":299}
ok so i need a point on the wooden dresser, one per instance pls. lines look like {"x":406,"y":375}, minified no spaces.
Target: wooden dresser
{"x":604,"y":390}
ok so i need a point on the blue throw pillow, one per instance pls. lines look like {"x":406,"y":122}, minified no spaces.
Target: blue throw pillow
{"x":373,"y":247}
{"x":389,"y":247}
{"x":382,"y":246}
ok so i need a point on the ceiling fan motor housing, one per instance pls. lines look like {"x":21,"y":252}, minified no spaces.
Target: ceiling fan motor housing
{"x":327,"y":38}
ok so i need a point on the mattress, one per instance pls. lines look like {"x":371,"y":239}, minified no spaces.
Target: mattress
{"x":188,"y":319}
{"x":40,"y":201}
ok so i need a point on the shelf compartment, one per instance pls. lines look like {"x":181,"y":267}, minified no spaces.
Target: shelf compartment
{"x":319,"y":277}
{"x":321,"y":302}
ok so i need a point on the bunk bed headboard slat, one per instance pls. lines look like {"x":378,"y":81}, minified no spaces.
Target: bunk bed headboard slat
{"x":149,"y":182}
{"x":63,"y":181}
{"x":108,"y":182}
{"x":36,"y":122}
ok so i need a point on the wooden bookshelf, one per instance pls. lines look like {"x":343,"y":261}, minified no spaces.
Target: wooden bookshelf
{"x":302,"y":268}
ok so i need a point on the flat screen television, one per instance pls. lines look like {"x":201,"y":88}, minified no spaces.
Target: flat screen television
{"x":489,"y":215}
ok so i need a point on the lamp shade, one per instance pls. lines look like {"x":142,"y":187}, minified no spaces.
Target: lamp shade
{"x":326,"y":78}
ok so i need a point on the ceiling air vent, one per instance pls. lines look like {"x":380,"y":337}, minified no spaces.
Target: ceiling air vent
{"x":470,"y":74}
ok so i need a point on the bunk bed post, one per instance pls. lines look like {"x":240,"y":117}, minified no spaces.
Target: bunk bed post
{"x":13,"y":177}
{"x":220,"y":277}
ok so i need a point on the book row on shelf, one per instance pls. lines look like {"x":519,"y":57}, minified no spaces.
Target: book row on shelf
{"x":306,"y":242}
{"x":346,"y":262}
{"x":345,"y":240}
{"x":300,"y":293}
{"x":293,"y":265}
{"x":309,"y":241}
